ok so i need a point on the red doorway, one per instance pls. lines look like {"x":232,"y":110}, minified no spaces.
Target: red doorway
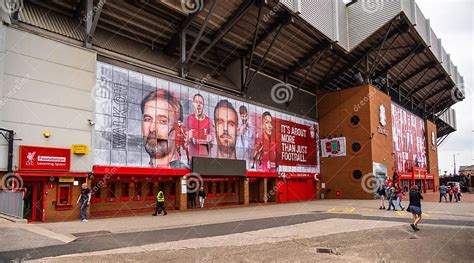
{"x":33,"y":201}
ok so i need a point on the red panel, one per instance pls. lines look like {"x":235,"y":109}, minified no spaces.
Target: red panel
{"x":34,"y":158}
{"x":48,"y":174}
{"x":282,"y":191}
{"x":260,"y":174}
{"x":297,"y":190}
{"x":122,"y":170}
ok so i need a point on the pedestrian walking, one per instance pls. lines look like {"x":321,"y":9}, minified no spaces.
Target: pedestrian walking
{"x":414,"y":207}
{"x":457,"y":192}
{"x":450,"y":193}
{"x":160,"y":203}
{"x":202,"y":196}
{"x":85,"y":200}
{"x":442,"y":192}
{"x":381,"y":193}
{"x":390,"y":194}
{"x":399,"y":194}
{"x":192,"y":199}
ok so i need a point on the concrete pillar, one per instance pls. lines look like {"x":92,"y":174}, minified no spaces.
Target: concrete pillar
{"x":244,"y":191}
{"x":263,"y":190}
{"x":181,"y":199}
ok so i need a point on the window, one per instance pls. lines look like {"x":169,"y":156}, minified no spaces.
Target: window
{"x":218,"y":188}
{"x":138,"y":189}
{"x":235,"y":189}
{"x":64,"y":194}
{"x":356,"y":147}
{"x":150,"y":189}
{"x":110,"y":190}
{"x":125,"y":189}
{"x":355,"y":120}
{"x":173,"y":189}
{"x":357,"y":174}
{"x":96,"y":189}
{"x":226,"y":187}
{"x":209,"y":188}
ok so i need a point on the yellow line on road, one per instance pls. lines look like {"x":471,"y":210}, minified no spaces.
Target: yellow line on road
{"x":338,"y":210}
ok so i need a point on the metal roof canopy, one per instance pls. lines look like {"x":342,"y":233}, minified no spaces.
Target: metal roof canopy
{"x":274,"y":41}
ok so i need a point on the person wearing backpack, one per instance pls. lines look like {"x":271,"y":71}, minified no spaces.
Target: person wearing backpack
{"x":202,"y":196}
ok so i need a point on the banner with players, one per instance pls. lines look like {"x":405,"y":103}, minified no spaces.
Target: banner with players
{"x":408,"y":139}
{"x":143,"y":121}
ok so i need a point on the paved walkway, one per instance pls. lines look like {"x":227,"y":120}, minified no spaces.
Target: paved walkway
{"x":125,"y":232}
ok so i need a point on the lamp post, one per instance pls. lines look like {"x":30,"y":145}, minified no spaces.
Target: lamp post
{"x":454,"y":159}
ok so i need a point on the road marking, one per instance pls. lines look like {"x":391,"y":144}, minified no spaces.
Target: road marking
{"x":338,"y":210}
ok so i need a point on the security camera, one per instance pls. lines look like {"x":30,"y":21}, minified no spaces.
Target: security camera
{"x":91,"y":122}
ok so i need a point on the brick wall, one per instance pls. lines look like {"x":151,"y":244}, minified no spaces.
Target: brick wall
{"x":336,"y":110}
{"x":432,"y":152}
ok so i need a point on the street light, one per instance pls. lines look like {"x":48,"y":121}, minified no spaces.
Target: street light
{"x":454,"y":159}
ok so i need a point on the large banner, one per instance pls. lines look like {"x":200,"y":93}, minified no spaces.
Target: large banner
{"x":144,"y":121}
{"x":408,"y":139}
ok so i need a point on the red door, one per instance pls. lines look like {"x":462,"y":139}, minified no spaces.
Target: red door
{"x":33,"y":201}
{"x":282,"y":191}
{"x":297,"y":190}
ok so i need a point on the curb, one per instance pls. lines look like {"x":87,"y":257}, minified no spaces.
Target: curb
{"x":14,"y":219}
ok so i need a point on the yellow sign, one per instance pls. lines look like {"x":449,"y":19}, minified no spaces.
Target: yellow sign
{"x":81,"y":149}
{"x":66,"y":179}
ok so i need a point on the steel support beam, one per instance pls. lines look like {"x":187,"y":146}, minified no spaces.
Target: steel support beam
{"x":305,"y":60}
{"x":380,"y":47}
{"x":92,"y":19}
{"x":416,"y":72}
{"x":254,"y":43}
{"x":262,"y":61}
{"x":311,"y":67}
{"x":182,"y":54}
{"x":436,"y":80}
{"x":185,"y":24}
{"x":189,"y":54}
{"x":413,"y":52}
{"x":243,"y":8}
{"x":416,"y":84}
{"x":357,"y":61}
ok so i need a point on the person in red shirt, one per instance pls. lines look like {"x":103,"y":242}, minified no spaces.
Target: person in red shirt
{"x":180,"y":139}
{"x":201,"y":134}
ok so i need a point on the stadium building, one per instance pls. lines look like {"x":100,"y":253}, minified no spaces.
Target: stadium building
{"x":254,"y":101}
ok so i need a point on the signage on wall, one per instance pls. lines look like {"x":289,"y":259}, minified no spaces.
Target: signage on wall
{"x":335,"y":147}
{"x":66,"y":179}
{"x":80,"y":149}
{"x":44,"y":158}
{"x":382,"y":121}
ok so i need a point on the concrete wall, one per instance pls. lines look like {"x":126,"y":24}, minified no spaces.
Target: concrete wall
{"x":46,"y":87}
